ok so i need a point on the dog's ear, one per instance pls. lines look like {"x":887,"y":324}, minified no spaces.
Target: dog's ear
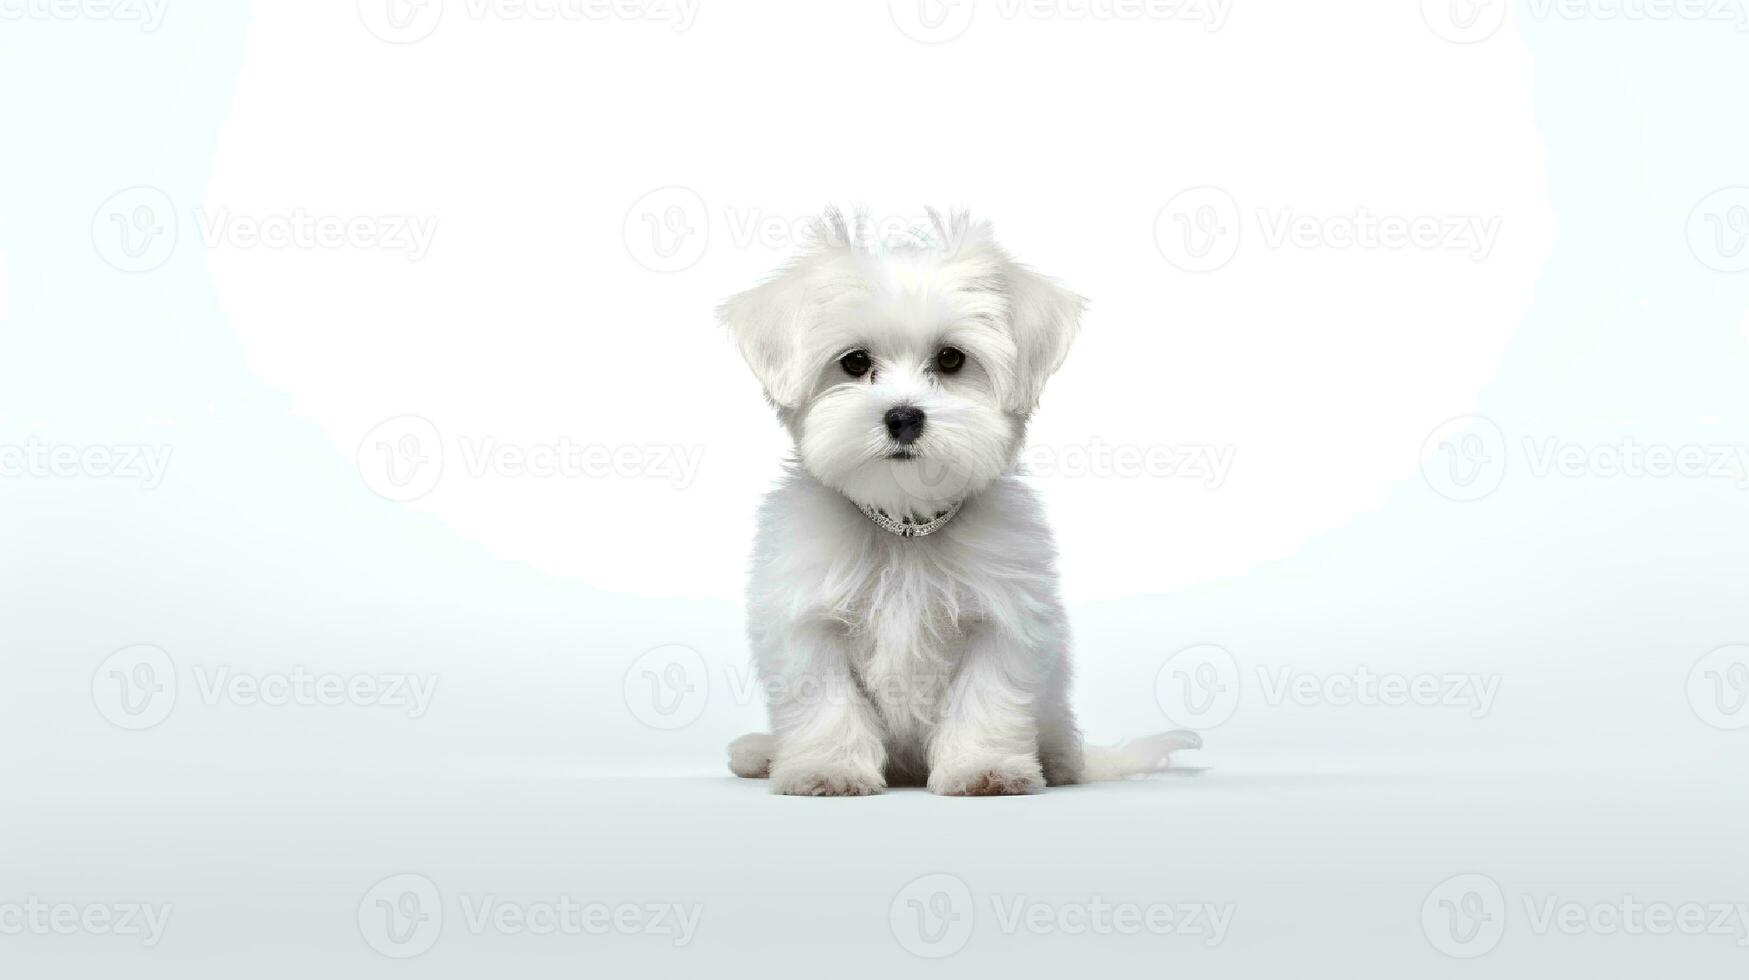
{"x":771,"y":321}
{"x":767,"y":323}
{"x":1044,"y":319}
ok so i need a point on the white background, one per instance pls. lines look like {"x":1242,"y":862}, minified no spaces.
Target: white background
{"x":1460,"y":466}
{"x":531,"y":317}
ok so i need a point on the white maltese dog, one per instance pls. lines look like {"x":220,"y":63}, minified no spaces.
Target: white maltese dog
{"x":903,"y":605}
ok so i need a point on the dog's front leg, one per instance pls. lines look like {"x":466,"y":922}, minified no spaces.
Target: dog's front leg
{"x":987,"y":744}
{"x":828,"y":735}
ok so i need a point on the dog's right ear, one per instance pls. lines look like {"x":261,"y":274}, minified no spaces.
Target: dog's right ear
{"x":771,"y":322}
{"x":767,"y":323}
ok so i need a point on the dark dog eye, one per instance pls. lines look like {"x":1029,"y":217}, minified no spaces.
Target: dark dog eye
{"x":855,"y":363}
{"x":949,"y":360}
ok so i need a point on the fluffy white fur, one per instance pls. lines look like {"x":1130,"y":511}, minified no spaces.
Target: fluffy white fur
{"x":939,"y":660}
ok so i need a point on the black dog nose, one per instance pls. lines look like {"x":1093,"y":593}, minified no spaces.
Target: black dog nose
{"x":905,"y":424}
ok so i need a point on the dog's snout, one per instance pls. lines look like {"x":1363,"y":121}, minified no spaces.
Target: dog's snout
{"x":905,"y":423}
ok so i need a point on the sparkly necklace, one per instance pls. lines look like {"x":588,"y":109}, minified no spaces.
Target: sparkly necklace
{"x":910,"y":527}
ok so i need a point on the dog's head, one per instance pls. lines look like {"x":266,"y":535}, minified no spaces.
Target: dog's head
{"x":905,"y":370}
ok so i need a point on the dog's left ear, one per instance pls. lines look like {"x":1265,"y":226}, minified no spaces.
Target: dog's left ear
{"x":1044,"y":319}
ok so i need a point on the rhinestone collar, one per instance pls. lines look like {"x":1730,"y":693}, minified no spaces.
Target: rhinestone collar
{"x":912,"y":527}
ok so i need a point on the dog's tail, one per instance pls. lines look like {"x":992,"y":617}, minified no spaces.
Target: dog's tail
{"x":750,"y":756}
{"x":1138,"y":757}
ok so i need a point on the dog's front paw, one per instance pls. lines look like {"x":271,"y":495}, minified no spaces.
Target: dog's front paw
{"x":825,"y":781}
{"x":997,"y":779}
